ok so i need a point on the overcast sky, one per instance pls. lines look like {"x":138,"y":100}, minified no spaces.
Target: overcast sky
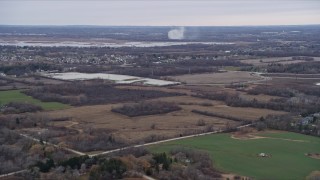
{"x":160,"y":12}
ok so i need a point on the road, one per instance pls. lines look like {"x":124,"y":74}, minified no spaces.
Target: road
{"x":162,"y":141}
{"x":11,"y":174}
{"x":54,"y":145}
{"x":116,"y":150}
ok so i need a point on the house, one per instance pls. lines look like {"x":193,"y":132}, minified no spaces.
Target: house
{"x":306,"y":120}
{"x":263,"y":155}
{"x":317,"y":115}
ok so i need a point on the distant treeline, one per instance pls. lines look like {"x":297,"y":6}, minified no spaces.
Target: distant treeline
{"x":287,"y":123}
{"x":302,"y":104}
{"x":19,"y":107}
{"x":27,"y":68}
{"x":312,"y":67}
{"x":274,"y":91}
{"x":286,"y":90}
{"x":157,"y":71}
{"x":300,"y":68}
{"x":82,"y":93}
{"x":204,"y":62}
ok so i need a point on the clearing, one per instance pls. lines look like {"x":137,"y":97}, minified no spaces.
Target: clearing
{"x":221,"y":78}
{"x":18,"y":96}
{"x":287,"y":150}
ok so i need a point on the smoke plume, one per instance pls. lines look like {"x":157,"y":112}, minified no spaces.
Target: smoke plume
{"x":176,"y":33}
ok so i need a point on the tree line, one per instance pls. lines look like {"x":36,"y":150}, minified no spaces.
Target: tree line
{"x":88,"y":93}
{"x":146,"y":108}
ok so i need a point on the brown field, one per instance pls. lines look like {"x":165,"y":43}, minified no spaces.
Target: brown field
{"x":173,"y":89}
{"x":293,"y":76}
{"x":260,"y":97}
{"x":218,"y":78}
{"x":188,"y":100}
{"x":208,"y":89}
{"x":280,"y":60}
{"x":43,"y":80}
{"x":287,"y":82}
{"x":135,"y":129}
{"x":241,"y":112}
{"x":25,"y":82}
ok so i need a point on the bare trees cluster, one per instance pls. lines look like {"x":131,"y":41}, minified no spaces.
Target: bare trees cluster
{"x":14,"y":152}
{"x":288,"y":123}
{"x":96,"y":139}
{"x":300,"y":68}
{"x":302,"y":104}
{"x":19,"y":107}
{"x":146,"y":108}
{"x":82,"y":93}
{"x":189,"y":164}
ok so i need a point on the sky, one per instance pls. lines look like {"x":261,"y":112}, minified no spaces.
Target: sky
{"x":159,"y":12}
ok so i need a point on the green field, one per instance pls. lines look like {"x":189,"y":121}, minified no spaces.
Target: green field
{"x":17,"y":96}
{"x":287,"y":161}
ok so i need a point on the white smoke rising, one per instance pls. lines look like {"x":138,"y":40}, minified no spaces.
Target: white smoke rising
{"x":176,"y":33}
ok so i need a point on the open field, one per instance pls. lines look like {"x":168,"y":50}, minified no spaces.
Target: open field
{"x":136,"y":129}
{"x":287,"y":159}
{"x":38,"y":80}
{"x":293,"y":75}
{"x":192,"y":90}
{"x":219,"y":78}
{"x":280,"y":60}
{"x":17,"y":96}
{"x":240,"y":112}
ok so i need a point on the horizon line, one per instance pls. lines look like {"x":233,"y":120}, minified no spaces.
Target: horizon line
{"x":92,"y":25}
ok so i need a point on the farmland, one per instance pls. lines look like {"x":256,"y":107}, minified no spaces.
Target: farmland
{"x":281,"y":60}
{"x":287,"y":154}
{"x":219,"y":78}
{"x":161,"y":126}
{"x":109,"y":92}
{"x":17,"y":96}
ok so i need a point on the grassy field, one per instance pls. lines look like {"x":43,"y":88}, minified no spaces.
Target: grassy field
{"x":287,"y":150}
{"x":17,"y":96}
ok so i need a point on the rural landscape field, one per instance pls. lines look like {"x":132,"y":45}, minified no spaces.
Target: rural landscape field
{"x":240,"y":153}
{"x":164,"y":100}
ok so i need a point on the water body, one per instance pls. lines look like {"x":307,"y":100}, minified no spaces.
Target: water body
{"x":102,"y":44}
